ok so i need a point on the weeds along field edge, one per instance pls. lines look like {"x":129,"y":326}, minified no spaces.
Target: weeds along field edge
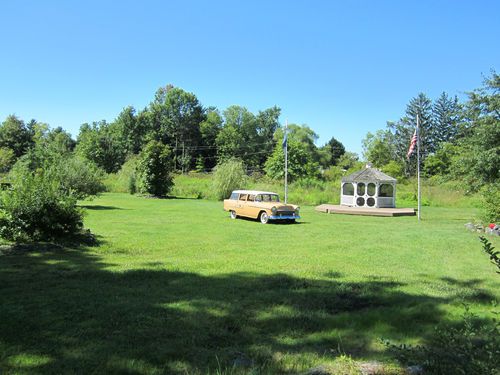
{"x":309,"y":191}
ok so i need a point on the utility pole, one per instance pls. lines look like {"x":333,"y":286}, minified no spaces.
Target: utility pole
{"x":285,"y":143}
{"x":418,"y":169}
{"x":183,"y":157}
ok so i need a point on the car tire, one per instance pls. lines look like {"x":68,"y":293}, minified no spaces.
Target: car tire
{"x":232,"y":214}
{"x":264,"y":217}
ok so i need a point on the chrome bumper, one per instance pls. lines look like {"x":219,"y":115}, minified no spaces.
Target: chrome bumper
{"x":284,"y":217}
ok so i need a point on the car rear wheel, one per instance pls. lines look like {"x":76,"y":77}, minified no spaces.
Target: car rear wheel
{"x":264,"y":217}
{"x":232,"y":214}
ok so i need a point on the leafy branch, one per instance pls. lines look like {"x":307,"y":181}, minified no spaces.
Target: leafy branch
{"x":490,"y":250}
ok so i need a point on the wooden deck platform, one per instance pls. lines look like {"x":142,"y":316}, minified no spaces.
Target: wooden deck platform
{"x":336,"y":209}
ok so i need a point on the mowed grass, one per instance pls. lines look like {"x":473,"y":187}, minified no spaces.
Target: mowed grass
{"x":176,"y":286}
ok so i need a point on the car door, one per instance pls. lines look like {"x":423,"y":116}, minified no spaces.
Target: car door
{"x":230,"y":203}
{"x":241,"y":205}
{"x":253,"y":208}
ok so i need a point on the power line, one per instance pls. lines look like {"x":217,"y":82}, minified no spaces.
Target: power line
{"x":203,"y":148}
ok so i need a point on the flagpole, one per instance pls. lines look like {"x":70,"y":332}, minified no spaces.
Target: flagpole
{"x":418,"y":169}
{"x":286,"y":162}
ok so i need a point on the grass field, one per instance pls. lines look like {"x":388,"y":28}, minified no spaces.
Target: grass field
{"x":176,"y":286}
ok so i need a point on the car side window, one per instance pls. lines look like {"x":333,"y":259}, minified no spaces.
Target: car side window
{"x":243,"y":197}
{"x":251,"y":198}
{"x":258,"y":198}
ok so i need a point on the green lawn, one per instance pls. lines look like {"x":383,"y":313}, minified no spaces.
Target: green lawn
{"x":176,"y":286}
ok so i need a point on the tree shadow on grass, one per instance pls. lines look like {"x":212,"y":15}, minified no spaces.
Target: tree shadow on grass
{"x":98,"y":207}
{"x":63,"y":311}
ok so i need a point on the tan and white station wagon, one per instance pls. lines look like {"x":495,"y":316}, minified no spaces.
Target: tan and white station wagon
{"x":262,"y":205}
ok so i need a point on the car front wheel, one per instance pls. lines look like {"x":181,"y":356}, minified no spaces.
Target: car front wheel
{"x":233,"y":214}
{"x":264,"y":217}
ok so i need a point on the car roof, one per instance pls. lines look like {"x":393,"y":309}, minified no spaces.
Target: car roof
{"x":255,"y":192}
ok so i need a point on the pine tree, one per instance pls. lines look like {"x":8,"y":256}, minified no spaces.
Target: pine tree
{"x":404,"y":128}
{"x":422,"y":106}
{"x":446,"y":117}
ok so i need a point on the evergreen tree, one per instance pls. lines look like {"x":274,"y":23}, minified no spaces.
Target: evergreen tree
{"x":403,"y":130}
{"x":446,"y":114}
{"x":334,"y":149}
{"x":422,"y":106}
{"x":154,"y":169}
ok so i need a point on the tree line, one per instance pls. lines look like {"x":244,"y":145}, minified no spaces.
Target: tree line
{"x":458,"y":140}
{"x":198,"y":137}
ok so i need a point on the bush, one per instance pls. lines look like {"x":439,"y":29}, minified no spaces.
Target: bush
{"x":229,"y":175}
{"x":36,"y":209}
{"x":154,"y":169}
{"x":77,"y":176}
{"x":132,"y":187}
{"x":471,"y":347}
{"x":491,"y":203}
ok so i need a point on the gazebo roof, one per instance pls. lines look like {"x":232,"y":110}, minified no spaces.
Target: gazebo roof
{"x":368,"y":175}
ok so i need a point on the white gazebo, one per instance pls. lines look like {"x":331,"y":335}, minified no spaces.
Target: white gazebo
{"x":368,"y":188}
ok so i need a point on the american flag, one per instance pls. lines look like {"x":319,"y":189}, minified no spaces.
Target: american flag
{"x":285,"y":140}
{"x":412,"y":144}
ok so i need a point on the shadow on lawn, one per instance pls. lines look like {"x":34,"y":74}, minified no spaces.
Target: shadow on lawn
{"x":98,"y":207}
{"x":63,"y":312}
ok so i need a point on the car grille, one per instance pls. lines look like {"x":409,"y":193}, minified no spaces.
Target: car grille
{"x":285,"y":213}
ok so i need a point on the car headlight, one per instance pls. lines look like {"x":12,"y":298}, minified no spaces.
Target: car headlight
{"x":297,"y":211}
{"x":274,"y":210}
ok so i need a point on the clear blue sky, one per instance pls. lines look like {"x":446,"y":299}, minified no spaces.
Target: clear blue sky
{"x":342,"y":67}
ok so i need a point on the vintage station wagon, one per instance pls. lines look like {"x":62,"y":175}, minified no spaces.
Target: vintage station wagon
{"x":262,"y":205}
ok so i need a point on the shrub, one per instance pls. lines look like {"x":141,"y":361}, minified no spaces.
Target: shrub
{"x":36,"y":208}
{"x":491,"y":203}
{"x":471,"y":347}
{"x":154,"y":169}
{"x":132,"y":187}
{"x":489,"y":249}
{"x":77,"y":176}
{"x":228,"y":176}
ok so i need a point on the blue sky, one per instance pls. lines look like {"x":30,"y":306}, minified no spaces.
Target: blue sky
{"x":343,"y":68}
